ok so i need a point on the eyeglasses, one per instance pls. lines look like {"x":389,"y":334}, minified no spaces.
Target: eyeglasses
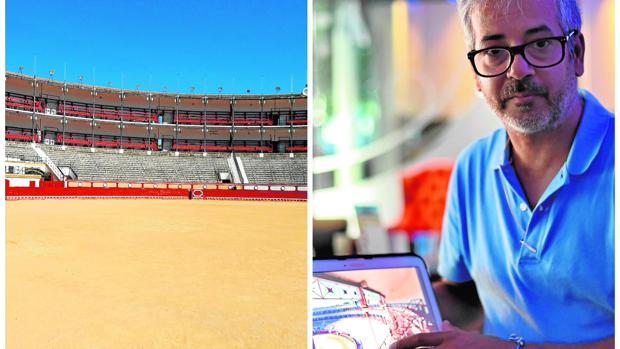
{"x":540,"y":53}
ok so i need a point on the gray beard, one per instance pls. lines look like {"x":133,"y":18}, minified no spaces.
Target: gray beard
{"x":528,"y":122}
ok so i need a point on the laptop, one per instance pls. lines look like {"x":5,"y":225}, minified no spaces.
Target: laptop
{"x":371,"y":301}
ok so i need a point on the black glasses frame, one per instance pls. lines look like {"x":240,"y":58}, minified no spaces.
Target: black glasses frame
{"x":520,"y":50}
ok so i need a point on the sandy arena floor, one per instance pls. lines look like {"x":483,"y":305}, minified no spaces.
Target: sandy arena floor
{"x":155,"y":274}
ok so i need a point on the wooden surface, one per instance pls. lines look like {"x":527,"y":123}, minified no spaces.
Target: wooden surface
{"x":155,"y":274}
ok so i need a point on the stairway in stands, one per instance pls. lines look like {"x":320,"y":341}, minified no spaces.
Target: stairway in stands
{"x":46,"y":159}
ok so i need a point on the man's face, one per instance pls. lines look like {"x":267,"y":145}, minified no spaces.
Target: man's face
{"x":528,"y":100}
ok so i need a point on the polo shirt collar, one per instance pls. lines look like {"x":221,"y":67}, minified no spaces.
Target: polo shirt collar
{"x":590,"y":135}
{"x":588,"y":138}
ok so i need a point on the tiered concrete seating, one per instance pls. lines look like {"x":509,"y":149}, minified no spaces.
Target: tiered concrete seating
{"x":136,"y":165}
{"x":275,"y":168}
{"x":107,"y":164}
{"x":21,"y":151}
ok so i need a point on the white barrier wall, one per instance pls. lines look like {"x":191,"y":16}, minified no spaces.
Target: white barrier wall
{"x":23,"y":182}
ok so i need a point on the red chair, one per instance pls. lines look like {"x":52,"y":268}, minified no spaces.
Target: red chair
{"x":425,"y":187}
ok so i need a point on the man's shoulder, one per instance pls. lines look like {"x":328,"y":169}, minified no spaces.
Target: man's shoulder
{"x":595,"y":134}
{"x":594,"y":107}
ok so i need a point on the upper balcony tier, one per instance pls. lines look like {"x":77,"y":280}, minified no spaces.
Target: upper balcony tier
{"x":55,"y":97}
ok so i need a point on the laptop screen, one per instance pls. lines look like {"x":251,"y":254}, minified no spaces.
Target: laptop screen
{"x":368,"y":308}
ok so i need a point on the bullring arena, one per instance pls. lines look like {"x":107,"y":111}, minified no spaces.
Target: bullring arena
{"x":155,"y":274}
{"x":147,"y":220}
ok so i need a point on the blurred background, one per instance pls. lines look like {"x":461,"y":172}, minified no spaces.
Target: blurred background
{"x":394,"y":104}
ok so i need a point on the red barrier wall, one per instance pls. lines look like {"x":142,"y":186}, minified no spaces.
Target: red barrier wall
{"x":58,"y":190}
{"x":253,"y":194}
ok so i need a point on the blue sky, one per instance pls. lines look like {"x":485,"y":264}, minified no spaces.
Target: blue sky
{"x":233,"y":44}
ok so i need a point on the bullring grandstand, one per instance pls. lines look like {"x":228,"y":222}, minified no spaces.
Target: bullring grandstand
{"x":144,"y":273}
{"x":65,"y":139}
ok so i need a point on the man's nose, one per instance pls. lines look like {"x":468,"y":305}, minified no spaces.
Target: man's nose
{"x":520,"y":68}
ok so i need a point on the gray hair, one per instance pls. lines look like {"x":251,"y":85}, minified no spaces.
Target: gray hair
{"x":568,"y":15}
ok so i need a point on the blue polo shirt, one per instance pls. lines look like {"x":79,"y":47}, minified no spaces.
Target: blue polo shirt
{"x":559,"y":288}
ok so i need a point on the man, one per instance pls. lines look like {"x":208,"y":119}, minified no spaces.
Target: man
{"x":529,"y":218}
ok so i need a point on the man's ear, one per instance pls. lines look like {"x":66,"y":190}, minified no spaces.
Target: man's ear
{"x":477,"y":79}
{"x":579,"y":48}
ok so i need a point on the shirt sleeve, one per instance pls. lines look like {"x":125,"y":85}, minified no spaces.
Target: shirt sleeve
{"x":452,"y":255}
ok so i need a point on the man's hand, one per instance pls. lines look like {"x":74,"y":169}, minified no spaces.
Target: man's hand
{"x":451,"y":338}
